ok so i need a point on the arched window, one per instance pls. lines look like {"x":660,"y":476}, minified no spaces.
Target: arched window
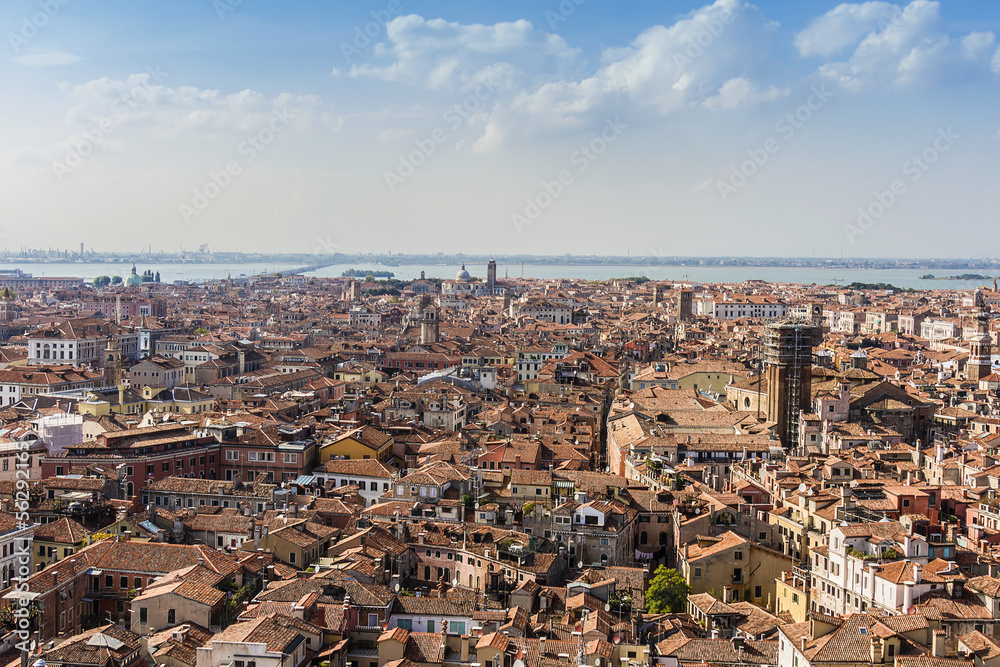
{"x":129,"y":489}
{"x":604,"y":559}
{"x":427,"y":572}
{"x":643,"y":538}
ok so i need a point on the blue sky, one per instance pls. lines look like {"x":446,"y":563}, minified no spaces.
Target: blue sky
{"x":726,"y":128}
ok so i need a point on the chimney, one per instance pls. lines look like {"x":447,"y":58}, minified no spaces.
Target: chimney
{"x":727,"y":593}
{"x":917,"y":570}
{"x":243,"y":361}
{"x":802,"y":643}
{"x":127,"y":537}
{"x":876,"y":652}
{"x":937,"y":644}
{"x":907,"y":596}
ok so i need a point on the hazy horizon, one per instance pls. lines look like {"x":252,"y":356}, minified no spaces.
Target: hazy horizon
{"x":726,"y":129}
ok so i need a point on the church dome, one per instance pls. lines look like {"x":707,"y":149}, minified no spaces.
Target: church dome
{"x":463,"y":275}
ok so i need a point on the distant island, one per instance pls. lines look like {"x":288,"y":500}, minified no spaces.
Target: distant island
{"x":964,"y":276}
{"x":357,"y":273}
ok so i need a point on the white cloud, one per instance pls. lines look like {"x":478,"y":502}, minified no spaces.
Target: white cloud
{"x":47,"y":59}
{"x":844,"y":26}
{"x":738,"y":92}
{"x":911,"y":49}
{"x":491,"y":139}
{"x":442,"y":54}
{"x":173,"y":111}
{"x":666,"y":68}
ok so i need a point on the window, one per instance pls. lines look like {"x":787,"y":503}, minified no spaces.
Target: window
{"x":738,"y":555}
{"x":166,"y":466}
{"x":697,"y":573}
{"x":737,"y":575}
{"x":109,"y":581}
{"x":906,"y":502}
{"x":430,"y":625}
{"x":171,"y":616}
{"x":143,"y":615}
{"x":405,"y":623}
{"x":124,"y":582}
{"x":457,"y":627}
{"x":232,"y":455}
{"x":756,"y":592}
{"x":291,"y":557}
{"x":372,"y":620}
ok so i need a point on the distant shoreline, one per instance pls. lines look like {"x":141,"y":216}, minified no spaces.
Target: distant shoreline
{"x":804,"y":264}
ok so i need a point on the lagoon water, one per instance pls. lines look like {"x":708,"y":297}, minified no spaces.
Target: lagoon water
{"x":200,"y":272}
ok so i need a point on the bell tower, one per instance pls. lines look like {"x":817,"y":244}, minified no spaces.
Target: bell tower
{"x":980,"y":362}
{"x":112,"y":363}
{"x":429,"y":326}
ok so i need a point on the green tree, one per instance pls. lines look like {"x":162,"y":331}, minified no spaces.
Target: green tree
{"x":667,"y":592}
{"x":116,"y":280}
{"x":200,"y":331}
{"x":101,"y":281}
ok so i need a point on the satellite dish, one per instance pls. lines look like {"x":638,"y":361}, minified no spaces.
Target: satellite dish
{"x":597,"y":662}
{"x":396,"y":588}
{"x":454,"y":582}
{"x":617,"y":639}
{"x":579,"y":564}
{"x":607,"y":606}
{"x":802,"y":487}
{"x":697,"y":510}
